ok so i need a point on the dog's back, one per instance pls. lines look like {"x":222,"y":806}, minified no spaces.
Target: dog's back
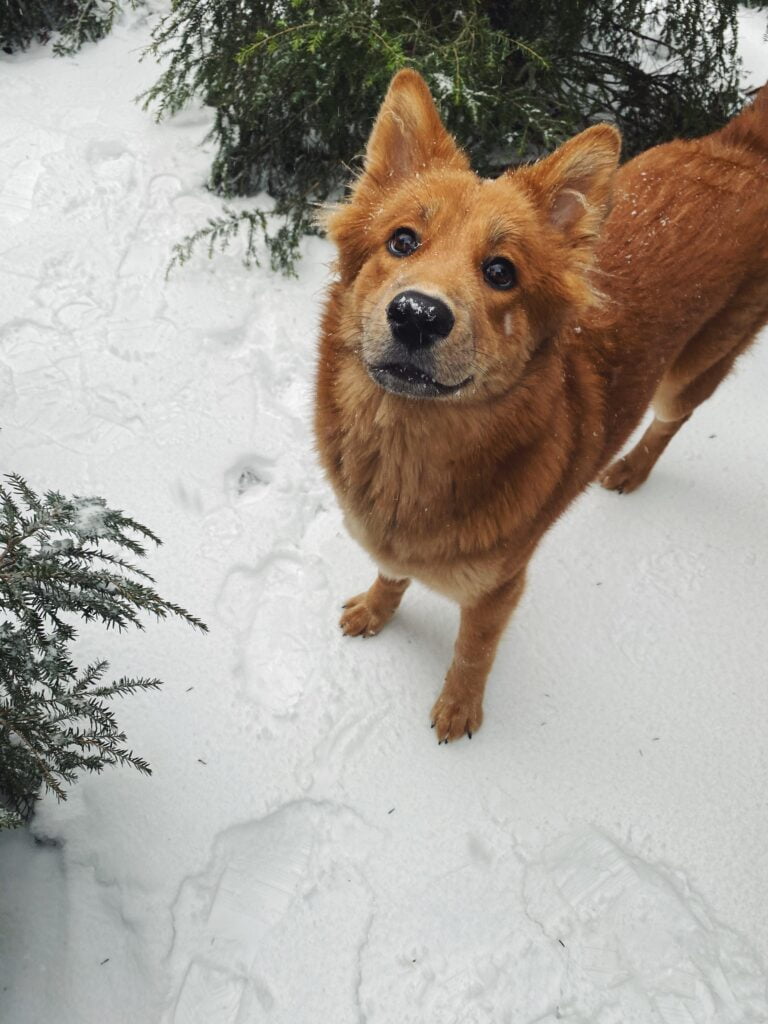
{"x":684,"y":257}
{"x":684,"y":261}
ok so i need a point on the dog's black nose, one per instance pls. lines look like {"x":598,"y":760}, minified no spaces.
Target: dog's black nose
{"x":418,"y":320}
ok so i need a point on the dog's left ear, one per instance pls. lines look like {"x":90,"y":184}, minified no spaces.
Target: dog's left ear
{"x":408,"y":136}
{"x":574,"y":184}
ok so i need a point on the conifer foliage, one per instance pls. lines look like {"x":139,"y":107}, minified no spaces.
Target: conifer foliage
{"x":295,"y":85}
{"x":62,"y":559}
{"x":73,"y":22}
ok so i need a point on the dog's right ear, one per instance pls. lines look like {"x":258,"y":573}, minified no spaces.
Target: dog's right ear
{"x":408,"y":136}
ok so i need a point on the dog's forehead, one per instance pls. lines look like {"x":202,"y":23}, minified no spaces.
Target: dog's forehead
{"x":443,"y":200}
{"x":462,"y":210}
{"x":436,"y":192}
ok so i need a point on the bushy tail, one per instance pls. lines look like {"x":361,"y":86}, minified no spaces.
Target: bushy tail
{"x":749,"y":129}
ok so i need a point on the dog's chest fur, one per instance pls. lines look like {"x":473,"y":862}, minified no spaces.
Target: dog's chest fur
{"x":429,"y":492}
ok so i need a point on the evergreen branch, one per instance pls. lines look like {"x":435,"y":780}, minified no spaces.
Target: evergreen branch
{"x":295,"y":86}
{"x":63,"y":557}
{"x":46,"y":775}
{"x":75,"y":22}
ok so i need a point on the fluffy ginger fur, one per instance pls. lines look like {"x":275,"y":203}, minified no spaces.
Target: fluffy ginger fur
{"x":634,"y":286}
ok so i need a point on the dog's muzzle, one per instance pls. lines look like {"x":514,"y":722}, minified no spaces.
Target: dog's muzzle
{"x":410,"y":363}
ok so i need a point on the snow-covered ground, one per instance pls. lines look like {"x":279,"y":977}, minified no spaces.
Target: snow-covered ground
{"x":304,"y":851}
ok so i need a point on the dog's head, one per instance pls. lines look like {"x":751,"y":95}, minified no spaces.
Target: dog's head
{"x":452,"y":281}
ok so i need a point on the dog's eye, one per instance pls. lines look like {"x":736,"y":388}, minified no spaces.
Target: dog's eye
{"x":500,"y":273}
{"x":403,"y":242}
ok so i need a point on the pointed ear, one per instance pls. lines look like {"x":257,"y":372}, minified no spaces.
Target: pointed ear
{"x":408,"y":135}
{"x":575,"y":183}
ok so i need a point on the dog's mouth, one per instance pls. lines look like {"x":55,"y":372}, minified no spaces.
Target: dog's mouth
{"x":407,"y":379}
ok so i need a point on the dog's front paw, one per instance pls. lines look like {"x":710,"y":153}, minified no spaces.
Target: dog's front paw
{"x":454,"y":717}
{"x":366,"y":614}
{"x":360,"y":619}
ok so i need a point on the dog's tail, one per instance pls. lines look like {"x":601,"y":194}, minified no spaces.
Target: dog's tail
{"x":749,"y":129}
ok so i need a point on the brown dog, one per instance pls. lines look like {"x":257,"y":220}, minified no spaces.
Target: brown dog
{"x":489,"y":345}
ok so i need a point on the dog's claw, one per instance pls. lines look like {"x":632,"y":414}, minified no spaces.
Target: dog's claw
{"x":454,"y":718}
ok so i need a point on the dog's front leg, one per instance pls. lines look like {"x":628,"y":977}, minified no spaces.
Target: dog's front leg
{"x":459,"y":708}
{"x":365,"y":614}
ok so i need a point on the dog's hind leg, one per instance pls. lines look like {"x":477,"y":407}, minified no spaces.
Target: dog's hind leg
{"x":366,"y":614}
{"x":632,"y":469}
{"x":692,"y":378}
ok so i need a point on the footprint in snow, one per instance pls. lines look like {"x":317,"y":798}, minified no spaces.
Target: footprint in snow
{"x":257,"y":928}
{"x":637,"y":941}
{"x":247,"y":476}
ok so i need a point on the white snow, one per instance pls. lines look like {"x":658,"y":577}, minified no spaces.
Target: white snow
{"x":753,"y":33}
{"x":90,"y":516}
{"x":305,"y":851}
